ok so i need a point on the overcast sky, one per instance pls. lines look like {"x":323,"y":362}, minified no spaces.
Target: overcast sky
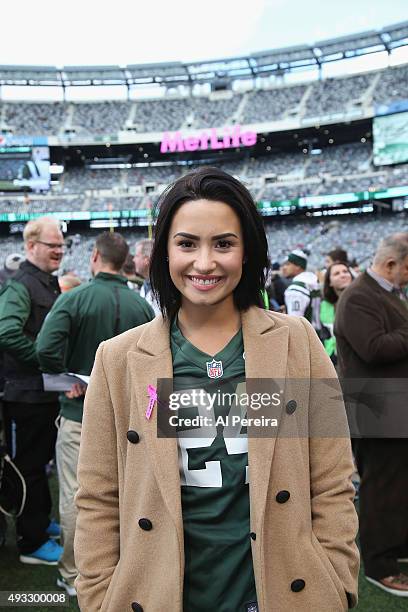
{"x":122,"y":32}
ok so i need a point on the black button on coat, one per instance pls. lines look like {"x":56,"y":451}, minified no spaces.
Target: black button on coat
{"x":145,"y":524}
{"x":298,"y":585}
{"x":282,"y":497}
{"x":291,"y":406}
{"x":133,"y":436}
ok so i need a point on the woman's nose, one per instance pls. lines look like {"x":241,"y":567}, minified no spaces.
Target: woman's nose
{"x":204,"y":262}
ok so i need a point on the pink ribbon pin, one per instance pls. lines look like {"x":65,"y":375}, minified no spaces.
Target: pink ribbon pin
{"x":153,"y":399}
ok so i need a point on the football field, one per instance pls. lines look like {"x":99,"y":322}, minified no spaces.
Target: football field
{"x":16,"y":575}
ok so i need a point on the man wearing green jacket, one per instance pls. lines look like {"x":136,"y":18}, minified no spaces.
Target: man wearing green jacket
{"x":78,"y":322}
{"x":29,"y":412}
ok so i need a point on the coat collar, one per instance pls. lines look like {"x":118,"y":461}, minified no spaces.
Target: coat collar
{"x":155,"y":338}
{"x":44,"y":277}
{"x":266,"y":351}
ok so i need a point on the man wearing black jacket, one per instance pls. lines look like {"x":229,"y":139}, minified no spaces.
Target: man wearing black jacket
{"x":371,"y":328}
{"x":29,"y":412}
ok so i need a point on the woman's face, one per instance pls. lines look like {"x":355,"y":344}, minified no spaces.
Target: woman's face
{"x":340,"y":277}
{"x":206,"y":251}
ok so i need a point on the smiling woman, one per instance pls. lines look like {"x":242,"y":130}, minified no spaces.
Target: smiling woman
{"x":195,"y":521}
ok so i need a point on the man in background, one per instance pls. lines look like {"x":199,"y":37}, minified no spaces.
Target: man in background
{"x":29,"y":412}
{"x":78,"y":322}
{"x":335,"y":255}
{"x":143,"y":252}
{"x":302,"y":297}
{"x":11,"y":266}
{"x":12,"y":263}
{"x":371,"y":328}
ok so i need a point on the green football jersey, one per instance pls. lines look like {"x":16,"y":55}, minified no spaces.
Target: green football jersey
{"x":219,"y":572}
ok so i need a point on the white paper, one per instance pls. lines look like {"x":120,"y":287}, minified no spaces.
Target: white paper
{"x":63,"y":382}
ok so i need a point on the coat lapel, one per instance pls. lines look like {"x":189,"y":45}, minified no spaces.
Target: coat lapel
{"x":266,"y":353}
{"x":150,"y":363}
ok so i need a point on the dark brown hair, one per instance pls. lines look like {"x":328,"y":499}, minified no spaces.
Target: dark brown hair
{"x":112,"y":248}
{"x":329,"y":293}
{"x":210,"y":184}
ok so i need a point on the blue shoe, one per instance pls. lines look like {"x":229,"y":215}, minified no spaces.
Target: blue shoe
{"x":53,"y":530}
{"x":48,"y":554}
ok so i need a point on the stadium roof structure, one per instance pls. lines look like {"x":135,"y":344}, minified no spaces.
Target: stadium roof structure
{"x":260,"y":64}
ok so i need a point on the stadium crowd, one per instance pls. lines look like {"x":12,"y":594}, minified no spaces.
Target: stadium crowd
{"x":336,"y":169}
{"x":332,"y":96}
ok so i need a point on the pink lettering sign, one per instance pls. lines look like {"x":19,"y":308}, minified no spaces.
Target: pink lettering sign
{"x":231,"y":137}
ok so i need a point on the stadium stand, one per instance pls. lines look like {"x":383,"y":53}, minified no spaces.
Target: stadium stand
{"x":273,"y":104}
{"x":99,"y":117}
{"x":337,"y":95}
{"x":329,"y":96}
{"x":30,"y":118}
{"x":358,"y":236}
{"x":336,"y":169}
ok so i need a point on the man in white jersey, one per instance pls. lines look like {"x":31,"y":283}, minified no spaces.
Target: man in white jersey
{"x":302,"y":297}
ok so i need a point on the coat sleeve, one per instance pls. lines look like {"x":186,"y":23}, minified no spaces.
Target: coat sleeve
{"x":97,"y":527}
{"x":334,"y":518}
{"x":363,"y":328}
{"x":51,"y":343}
{"x":15,"y":307}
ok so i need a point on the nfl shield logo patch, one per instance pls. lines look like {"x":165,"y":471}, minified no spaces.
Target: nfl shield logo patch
{"x":214,"y":369}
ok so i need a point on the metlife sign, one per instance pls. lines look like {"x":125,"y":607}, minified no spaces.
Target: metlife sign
{"x":212,"y":139}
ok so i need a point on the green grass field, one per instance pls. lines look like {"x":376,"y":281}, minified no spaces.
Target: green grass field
{"x":16,"y":575}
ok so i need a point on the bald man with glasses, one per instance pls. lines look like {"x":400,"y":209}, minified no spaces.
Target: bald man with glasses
{"x":29,"y":412}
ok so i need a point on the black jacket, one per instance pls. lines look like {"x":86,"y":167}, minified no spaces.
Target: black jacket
{"x":25,"y":301}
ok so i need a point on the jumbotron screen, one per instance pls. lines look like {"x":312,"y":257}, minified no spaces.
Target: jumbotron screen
{"x":24,"y":168}
{"x":390,"y":139}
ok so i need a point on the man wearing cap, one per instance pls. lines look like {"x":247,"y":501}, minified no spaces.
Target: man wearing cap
{"x":11,"y":265}
{"x":29,"y":412}
{"x":302,"y":297}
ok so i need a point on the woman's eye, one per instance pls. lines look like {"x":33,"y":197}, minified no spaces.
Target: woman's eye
{"x":224,"y":244}
{"x":187,"y":244}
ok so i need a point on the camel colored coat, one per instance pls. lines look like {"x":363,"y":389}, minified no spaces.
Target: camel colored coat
{"x":304,"y":553}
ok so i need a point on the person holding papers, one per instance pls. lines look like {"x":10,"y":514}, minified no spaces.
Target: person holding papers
{"x":78,"y":322}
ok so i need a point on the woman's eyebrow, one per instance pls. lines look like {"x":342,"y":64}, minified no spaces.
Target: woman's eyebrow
{"x":185,"y":235}
{"x":226,"y":235}
{"x":193,"y":237}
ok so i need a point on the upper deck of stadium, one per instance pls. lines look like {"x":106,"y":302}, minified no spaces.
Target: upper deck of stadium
{"x":247,"y":90}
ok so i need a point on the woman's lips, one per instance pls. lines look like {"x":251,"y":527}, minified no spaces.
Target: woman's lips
{"x":202,"y":283}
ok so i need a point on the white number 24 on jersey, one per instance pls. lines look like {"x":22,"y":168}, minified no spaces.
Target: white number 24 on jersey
{"x":235,"y":443}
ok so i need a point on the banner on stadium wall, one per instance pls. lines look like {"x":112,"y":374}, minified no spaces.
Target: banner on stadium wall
{"x":265,"y":206}
{"x":388,"y":109}
{"x":210,"y":139}
{"x":23,"y":141}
